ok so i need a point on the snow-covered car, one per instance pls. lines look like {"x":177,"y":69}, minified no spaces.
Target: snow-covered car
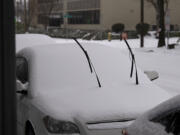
{"x":161,"y":120}
{"x":57,"y":93}
{"x":26,"y":40}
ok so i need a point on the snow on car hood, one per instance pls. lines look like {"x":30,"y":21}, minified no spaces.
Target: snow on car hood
{"x":63,"y":87}
{"x":105,"y":104}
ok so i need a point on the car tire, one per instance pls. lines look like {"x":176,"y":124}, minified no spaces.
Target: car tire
{"x":29,"y":130}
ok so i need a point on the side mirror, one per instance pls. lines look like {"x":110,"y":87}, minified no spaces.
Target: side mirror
{"x":21,"y":88}
{"x":152,"y":75}
{"x":23,"y":92}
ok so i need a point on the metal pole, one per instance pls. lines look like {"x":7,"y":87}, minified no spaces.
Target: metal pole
{"x":25,"y":16}
{"x":167,"y":38}
{"x":7,"y":69}
{"x":142,"y":22}
{"x":161,"y":42}
{"x":167,"y":23}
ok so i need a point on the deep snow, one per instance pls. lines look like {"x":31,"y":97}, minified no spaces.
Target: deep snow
{"x":150,"y":58}
{"x":60,"y":78}
{"x":164,"y":61}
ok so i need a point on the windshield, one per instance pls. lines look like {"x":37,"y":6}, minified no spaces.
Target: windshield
{"x":59,"y":66}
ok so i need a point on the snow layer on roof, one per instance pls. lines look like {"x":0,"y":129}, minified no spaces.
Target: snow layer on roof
{"x":62,"y":85}
{"x":27,"y":40}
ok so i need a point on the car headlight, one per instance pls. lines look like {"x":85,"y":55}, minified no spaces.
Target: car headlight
{"x":61,"y":127}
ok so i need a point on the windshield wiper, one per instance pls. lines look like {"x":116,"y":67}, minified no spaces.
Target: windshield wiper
{"x":91,"y":66}
{"x":133,"y":62}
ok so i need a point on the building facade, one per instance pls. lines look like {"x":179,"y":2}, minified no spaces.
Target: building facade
{"x":99,"y":14}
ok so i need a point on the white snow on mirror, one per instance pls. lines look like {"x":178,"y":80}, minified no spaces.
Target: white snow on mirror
{"x":152,"y":75}
{"x":21,"y":86}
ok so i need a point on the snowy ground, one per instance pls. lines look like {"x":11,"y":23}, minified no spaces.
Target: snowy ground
{"x":164,"y":61}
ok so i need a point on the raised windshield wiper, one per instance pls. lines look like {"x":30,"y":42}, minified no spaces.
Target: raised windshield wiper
{"x":133,"y":62}
{"x":92,"y":68}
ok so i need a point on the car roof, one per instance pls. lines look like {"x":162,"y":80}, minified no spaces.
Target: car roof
{"x":28,"y":40}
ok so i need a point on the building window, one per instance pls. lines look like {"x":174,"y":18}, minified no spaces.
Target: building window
{"x":56,"y":20}
{"x":84,"y":17}
{"x":51,"y":20}
{"x":43,"y":19}
{"x":83,"y":4}
{"x":48,"y":1}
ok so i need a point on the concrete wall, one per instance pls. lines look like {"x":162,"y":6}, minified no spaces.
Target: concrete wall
{"x":174,"y":7}
{"x":124,"y":11}
{"x":127,"y":12}
{"x":84,"y":26}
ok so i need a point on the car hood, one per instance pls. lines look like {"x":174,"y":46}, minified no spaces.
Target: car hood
{"x":110,"y":103}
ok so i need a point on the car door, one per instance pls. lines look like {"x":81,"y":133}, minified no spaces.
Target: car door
{"x":170,"y":121}
{"x":22,"y":106}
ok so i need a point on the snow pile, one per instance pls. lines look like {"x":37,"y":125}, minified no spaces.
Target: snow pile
{"x":63,"y":87}
{"x":27,"y":40}
{"x":60,"y":78}
{"x":150,"y":58}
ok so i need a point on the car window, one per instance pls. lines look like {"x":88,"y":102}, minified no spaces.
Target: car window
{"x":22,"y":69}
{"x":171,"y":122}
